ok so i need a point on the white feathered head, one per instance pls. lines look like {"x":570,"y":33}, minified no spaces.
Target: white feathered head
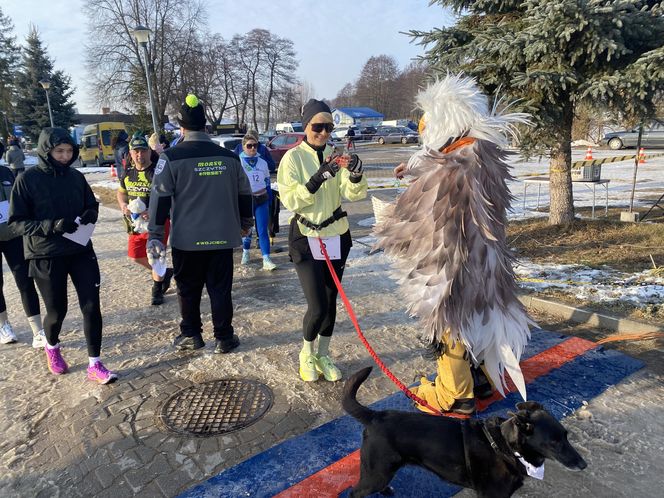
{"x":455,"y":106}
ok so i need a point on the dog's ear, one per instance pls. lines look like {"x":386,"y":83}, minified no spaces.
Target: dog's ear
{"x":522,"y":420}
{"x":530,"y":406}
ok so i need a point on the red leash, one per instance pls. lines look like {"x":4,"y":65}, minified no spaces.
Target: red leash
{"x":373,"y":354}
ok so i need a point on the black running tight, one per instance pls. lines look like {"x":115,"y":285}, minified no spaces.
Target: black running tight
{"x":317,"y":283}
{"x":13,"y":251}
{"x":50,"y":275}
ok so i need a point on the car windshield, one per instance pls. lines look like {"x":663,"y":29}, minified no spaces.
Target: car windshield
{"x":298,"y":128}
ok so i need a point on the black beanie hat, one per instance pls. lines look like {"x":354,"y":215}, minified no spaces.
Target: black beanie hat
{"x":192,"y":115}
{"x":311,"y":108}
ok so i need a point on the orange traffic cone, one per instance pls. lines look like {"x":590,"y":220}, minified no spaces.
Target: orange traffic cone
{"x":589,"y":154}
{"x":642,"y":156}
{"x":113,"y":173}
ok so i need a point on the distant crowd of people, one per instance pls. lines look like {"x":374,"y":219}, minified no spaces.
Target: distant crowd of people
{"x":202,"y":200}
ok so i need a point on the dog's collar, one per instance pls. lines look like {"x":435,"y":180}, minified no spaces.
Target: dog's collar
{"x":509,"y":456}
{"x":531,"y":470}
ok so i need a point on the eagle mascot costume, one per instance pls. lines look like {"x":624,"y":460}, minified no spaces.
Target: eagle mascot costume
{"x":446,"y":234}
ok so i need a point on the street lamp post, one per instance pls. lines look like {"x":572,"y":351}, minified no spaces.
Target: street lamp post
{"x":46,"y":85}
{"x":142,"y":35}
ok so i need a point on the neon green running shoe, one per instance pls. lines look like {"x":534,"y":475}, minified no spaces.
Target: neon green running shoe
{"x":308,"y":371}
{"x":325,"y":366}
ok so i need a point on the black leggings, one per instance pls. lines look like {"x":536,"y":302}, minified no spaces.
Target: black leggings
{"x":50,"y":275}
{"x":317,"y":283}
{"x":13,"y":251}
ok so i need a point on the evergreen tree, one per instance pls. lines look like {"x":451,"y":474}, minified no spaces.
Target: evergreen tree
{"x":554,"y":55}
{"x":9,"y":60}
{"x":31,"y":103}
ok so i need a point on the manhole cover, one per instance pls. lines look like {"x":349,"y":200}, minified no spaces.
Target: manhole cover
{"x":215,"y":407}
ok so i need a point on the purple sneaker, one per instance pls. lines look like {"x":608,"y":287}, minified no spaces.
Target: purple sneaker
{"x":56,"y":363}
{"x":99,"y":373}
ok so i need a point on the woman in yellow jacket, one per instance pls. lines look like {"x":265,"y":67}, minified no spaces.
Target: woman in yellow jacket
{"x":312,"y":181}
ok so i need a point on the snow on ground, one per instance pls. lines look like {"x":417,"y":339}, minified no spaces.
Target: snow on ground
{"x":596,"y":285}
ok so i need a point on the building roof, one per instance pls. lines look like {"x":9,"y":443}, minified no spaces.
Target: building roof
{"x":360,"y":112}
{"x":87,"y":119}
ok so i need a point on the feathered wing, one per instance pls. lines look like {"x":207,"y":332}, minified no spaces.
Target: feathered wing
{"x":446,"y":233}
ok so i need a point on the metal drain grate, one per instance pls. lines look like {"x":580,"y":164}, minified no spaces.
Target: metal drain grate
{"x":215,"y":407}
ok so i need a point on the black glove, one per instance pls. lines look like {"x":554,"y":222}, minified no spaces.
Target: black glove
{"x":326,"y":171}
{"x":64,"y":225}
{"x":89,"y":216}
{"x":355,"y":167}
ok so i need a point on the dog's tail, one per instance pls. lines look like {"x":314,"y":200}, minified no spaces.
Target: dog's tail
{"x":350,"y":403}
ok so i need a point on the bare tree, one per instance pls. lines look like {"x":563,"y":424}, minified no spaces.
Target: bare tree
{"x":206,"y":74}
{"x":115,"y":59}
{"x":280,"y":66}
{"x":375,"y":86}
{"x":405,"y":87}
{"x":345,"y":97}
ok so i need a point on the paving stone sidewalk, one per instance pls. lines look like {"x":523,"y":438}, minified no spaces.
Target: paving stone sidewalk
{"x":67,"y":437}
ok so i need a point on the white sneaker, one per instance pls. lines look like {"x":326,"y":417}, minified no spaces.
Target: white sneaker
{"x":245,"y":258}
{"x":39,"y":340}
{"x":268,"y":264}
{"x":7,"y":335}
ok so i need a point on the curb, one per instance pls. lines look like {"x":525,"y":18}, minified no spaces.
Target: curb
{"x":587,"y":317}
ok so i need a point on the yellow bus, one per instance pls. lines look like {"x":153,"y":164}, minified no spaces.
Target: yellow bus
{"x":97,"y":143}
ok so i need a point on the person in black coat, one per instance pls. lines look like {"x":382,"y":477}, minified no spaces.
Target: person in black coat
{"x":48,"y":203}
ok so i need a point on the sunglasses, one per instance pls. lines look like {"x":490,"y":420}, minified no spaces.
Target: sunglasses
{"x":251,"y":146}
{"x":319,"y":127}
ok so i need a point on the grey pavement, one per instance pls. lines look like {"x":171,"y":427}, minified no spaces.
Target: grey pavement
{"x":64,"y":436}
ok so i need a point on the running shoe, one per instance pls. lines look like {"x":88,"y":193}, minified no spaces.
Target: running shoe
{"x":325,"y":366}
{"x":99,"y":373}
{"x":308,"y":371}
{"x":56,"y":363}
{"x":464,"y":406}
{"x":245,"y":258}
{"x":223,"y":346}
{"x":7,"y":335}
{"x":268,"y":265}
{"x":39,"y":340}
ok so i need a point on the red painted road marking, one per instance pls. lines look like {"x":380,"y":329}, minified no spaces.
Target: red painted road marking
{"x":342,"y":474}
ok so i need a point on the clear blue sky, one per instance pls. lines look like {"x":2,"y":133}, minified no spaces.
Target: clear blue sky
{"x":333,"y":39}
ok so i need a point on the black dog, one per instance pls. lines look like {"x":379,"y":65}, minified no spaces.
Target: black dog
{"x":471,"y":453}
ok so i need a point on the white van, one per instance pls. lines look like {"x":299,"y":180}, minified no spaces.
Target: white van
{"x":292,"y":127}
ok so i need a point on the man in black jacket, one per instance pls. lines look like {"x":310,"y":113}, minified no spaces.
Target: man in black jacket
{"x":49,"y":202}
{"x":204,"y":189}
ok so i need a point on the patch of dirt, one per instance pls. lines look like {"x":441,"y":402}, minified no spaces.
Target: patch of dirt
{"x":107,"y":197}
{"x":628,"y":247}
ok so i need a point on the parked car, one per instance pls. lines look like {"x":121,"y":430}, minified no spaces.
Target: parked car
{"x":97,"y":142}
{"x":368,"y":132}
{"x":339,"y":133}
{"x":228,"y":141}
{"x":283,"y":142}
{"x":395,"y":134}
{"x":653,"y":136}
{"x":266,"y":136}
